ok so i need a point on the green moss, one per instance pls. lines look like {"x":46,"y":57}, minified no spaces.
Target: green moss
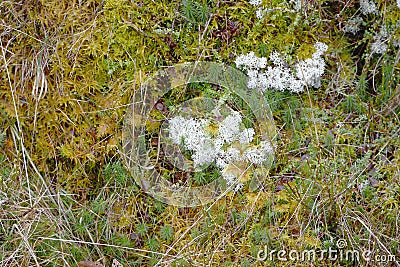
{"x":61,"y":175}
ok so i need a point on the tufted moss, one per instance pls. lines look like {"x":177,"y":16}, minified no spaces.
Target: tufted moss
{"x":68,"y":72}
{"x":77,"y":71}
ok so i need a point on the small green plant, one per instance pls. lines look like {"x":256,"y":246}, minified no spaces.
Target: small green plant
{"x":259,"y":235}
{"x":141,"y":229}
{"x":153,"y":244}
{"x":195,"y":11}
{"x":166,"y":232}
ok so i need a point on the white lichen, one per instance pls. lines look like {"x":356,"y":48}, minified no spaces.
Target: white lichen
{"x":280,"y":76}
{"x":260,"y":13}
{"x":353,"y":25}
{"x":250,"y":61}
{"x":368,"y":7}
{"x":396,"y":42}
{"x":296,"y":4}
{"x":231,"y":145}
{"x":379,"y":46}
{"x":255,"y":2}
